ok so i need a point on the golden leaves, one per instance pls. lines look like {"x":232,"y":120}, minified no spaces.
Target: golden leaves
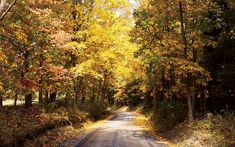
{"x":3,"y":58}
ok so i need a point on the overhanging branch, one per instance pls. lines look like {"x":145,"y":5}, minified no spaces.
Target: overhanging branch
{"x":7,"y":10}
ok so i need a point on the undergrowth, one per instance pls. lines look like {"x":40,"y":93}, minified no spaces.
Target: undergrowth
{"x":216,"y":130}
{"x":168,"y":115}
{"x":16,"y":122}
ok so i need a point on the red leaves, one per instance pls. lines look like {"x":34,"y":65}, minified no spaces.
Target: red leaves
{"x":27,"y":83}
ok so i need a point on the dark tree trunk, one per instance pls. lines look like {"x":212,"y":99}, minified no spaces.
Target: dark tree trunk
{"x":83,"y":93}
{"x":172,"y":82}
{"x":53,"y":96}
{"x":47,"y":96}
{"x":154,"y":101}
{"x":188,"y":91}
{"x":1,"y":103}
{"x":28,"y":101}
{"x":99,"y":91}
{"x":66,"y":98}
{"x":40,"y":92}
{"x":93,"y":91}
{"x":15,"y":100}
{"x":155,"y":94}
{"x":40,"y":99}
{"x":147,"y":99}
{"x":28,"y":97}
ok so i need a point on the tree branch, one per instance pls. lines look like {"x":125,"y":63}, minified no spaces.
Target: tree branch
{"x":7,"y":10}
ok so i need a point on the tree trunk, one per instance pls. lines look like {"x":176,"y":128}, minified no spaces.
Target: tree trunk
{"x":40,"y":82}
{"x":155,"y":95}
{"x":183,"y":31}
{"x":172,"y":81}
{"x":190,"y":108}
{"x":3,"y":10}
{"x":46,"y":96}
{"x":104,"y":88}
{"x":28,"y":97}
{"x":28,"y":101}
{"x":154,"y":101}
{"x":66,"y":98}
{"x":53,"y":97}
{"x":93,"y":91}
{"x":15,"y":100}
{"x":1,"y":103}
{"x":40,"y":92}
{"x":83,"y":94}
{"x":189,"y":100}
{"x":76,"y":88}
{"x":99,"y":91}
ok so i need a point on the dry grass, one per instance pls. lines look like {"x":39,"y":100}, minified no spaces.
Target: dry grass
{"x":216,"y":131}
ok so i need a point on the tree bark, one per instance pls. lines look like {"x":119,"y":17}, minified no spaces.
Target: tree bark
{"x":15,"y":100}
{"x":154,"y":101}
{"x":40,"y":93}
{"x":46,"y":96}
{"x":188,"y":91}
{"x":40,"y":99}
{"x":28,"y":101}
{"x":155,"y":95}
{"x":1,"y":101}
{"x":53,"y":96}
{"x":28,"y":97}
{"x":172,"y":81}
{"x":66,"y":98}
{"x":83,"y":93}
{"x":93,"y":91}
{"x":2,"y":5}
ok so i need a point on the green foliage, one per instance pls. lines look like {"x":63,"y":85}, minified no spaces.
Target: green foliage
{"x":132,"y":94}
{"x":95,"y":109}
{"x":169,"y":114}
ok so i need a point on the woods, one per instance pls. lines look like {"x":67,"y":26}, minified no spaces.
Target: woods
{"x":174,"y":38}
{"x":175,"y":59}
{"x":71,"y":50}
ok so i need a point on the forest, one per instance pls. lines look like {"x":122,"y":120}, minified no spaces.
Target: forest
{"x":66,"y":63}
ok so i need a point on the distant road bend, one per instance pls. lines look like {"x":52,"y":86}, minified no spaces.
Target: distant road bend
{"x":119,"y":132}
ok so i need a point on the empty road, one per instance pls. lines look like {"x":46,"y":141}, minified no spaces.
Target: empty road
{"x":119,"y":132}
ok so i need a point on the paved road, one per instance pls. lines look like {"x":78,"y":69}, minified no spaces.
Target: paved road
{"x":119,"y":132}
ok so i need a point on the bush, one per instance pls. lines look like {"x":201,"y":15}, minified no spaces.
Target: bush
{"x":95,"y":109}
{"x":169,"y":114}
{"x":77,"y":117}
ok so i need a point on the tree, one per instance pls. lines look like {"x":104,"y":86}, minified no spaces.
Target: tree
{"x":159,"y":28}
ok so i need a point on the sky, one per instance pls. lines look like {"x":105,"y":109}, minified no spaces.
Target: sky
{"x":135,"y":4}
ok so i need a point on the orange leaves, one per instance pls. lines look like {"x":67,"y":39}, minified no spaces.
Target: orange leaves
{"x":3,"y":58}
{"x":27,"y":83}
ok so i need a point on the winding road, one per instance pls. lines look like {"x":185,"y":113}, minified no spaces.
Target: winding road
{"x":119,"y":132}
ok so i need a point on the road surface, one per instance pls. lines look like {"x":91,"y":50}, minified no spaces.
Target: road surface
{"x":119,"y":132}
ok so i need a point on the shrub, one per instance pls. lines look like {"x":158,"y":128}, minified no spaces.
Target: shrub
{"x":169,"y":114}
{"x":95,"y":109}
